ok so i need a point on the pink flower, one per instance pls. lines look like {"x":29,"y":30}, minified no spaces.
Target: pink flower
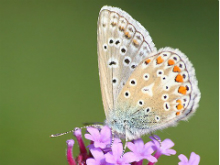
{"x":102,"y":153}
{"x":99,"y":157}
{"x":193,"y":160}
{"x":162,"y":148}
{"x":100,"y":139}
{"x":69,"y":152}
{"x":116,"y":157}
{"x":141,"y":150}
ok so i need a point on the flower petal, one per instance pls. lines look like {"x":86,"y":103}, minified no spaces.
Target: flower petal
{"x":94,"y":132}
{"x":148,"y":151}
{"x":148,"y":147}
{"x":99,"y":145}
{"x":105,"y":134}
{"x":89,"y":137}
{"x":139,"y":143}
{"x":117,"y":149}
{"x":131,"y":146}
{"x":129,"y":157}
{"x":183,"y":158}
{"x":167,"y":143}
{"x":151,"y":158}
{"x":170,"y":152}
{"x":97,"y":153}
{"x":91,"y":161}
{"x":110,"y":158}
{"x":194,"y":159}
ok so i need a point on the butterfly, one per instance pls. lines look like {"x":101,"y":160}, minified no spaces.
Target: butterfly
{"x":143,"y":89}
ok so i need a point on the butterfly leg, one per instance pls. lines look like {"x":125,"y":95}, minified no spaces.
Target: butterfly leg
{"x":126,"y":141}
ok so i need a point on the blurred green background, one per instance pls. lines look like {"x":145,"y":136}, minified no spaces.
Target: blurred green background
{"x":49,"y":73}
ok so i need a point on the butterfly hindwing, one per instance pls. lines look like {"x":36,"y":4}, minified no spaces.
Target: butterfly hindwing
{"x":162,"y":90}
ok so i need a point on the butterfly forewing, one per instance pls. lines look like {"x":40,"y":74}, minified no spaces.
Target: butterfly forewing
{"x":122,"y":44}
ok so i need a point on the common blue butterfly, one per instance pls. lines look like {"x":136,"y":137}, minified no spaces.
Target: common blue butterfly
{"x":143,"y":89}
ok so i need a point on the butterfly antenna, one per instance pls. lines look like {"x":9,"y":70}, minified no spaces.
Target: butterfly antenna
{"x":61,"y":134}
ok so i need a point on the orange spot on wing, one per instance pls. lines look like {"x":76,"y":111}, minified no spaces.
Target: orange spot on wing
{"x":179,"y":101}
{"x":176,"y":69}
{"x":171,"y":62}
{"x":178,"y":113}
{"x":135,"y":42}
{"x":127,"y":34}
{"x":159,"y":60}
{"x":113,"y":23}
{"x":147,"y":61}
{"x":179,"y":78}
{"x":182,"y":90}
{"x":122,"y":28}
{"x":179,"y":106}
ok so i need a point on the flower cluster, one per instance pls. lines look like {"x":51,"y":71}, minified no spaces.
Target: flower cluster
{"x":104,"y":151}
